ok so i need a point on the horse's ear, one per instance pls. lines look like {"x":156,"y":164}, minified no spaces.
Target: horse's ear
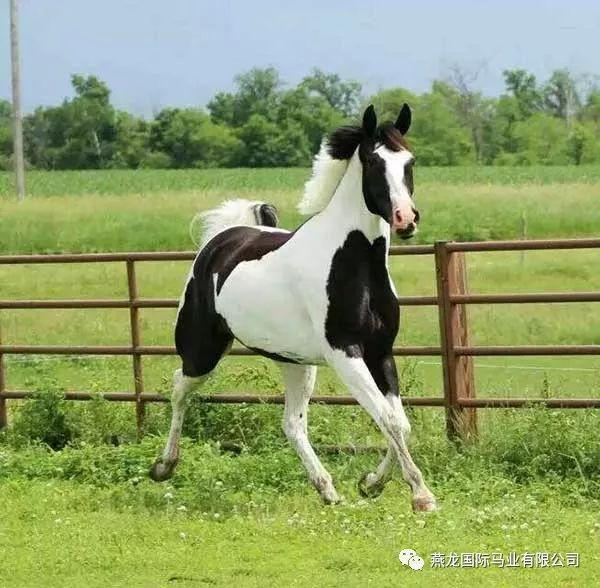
{"x":403,"y":121}
{"x":369,"y":122}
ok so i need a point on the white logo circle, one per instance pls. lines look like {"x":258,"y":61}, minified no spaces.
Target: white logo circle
{"x":405,"y":555}
{"x":416,"y":562}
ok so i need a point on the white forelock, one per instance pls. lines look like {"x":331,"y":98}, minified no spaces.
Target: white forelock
{"x":326,"y":175}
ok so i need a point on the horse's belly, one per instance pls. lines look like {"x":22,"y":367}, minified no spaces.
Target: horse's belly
{"x":269,"y":317}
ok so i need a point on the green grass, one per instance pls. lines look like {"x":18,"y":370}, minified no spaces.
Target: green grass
{"x":125,"y":182}
{"x":60,"y":535}
{"x":89,"y":515}
{"x":159,"y":220}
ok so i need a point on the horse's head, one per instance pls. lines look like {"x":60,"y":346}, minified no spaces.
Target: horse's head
{"x":387,"y":178}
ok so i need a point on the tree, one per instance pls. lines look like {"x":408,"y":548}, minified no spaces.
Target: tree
{"x":257,"y":92}
{"x":522,"y":85}
{"x":5,"y":134}
{"x":344,"y":96}
{"x":191,"y":139}
{"x":542,"y":139}
{"x":78,"y":134}
{"x":264,"y":123}
{"x":584,"y":143}
{"x":591,"y":111}
{"x":266,"y":144}
{"x":389,"y":102}
{"x":132,"y":141}
{"x":436,"y":135}
{"x":311,"y":113}
{"x":561,"y":97}
{"x":469,"y":105}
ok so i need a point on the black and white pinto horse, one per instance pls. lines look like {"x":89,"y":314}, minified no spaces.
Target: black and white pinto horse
{"x":319,"y":294}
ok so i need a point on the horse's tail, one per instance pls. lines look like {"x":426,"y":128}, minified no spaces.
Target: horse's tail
{"x":229,"y":214}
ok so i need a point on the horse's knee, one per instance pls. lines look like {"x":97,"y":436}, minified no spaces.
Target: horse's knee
{"x":396,"y":425}
{"x":183,"y":384}
{"x":405,"y":426}
{"x":293,"y":427}
{"x":398,"y":410}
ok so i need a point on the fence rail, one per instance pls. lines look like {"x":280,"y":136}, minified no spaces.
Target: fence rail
{"x":452,"y":299}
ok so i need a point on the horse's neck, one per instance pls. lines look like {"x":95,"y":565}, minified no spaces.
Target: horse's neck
{"x":347,"y":210}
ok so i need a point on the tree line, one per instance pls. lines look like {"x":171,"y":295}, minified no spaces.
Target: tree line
{"x":263,"y":123}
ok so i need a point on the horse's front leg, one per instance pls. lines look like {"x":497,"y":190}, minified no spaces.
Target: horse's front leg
{"x":384,"y":372}
{"x":355,"y":374}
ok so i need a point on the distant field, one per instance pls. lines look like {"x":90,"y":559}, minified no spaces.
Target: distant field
{"x":151,"y":210}
{"x":62,"y":183}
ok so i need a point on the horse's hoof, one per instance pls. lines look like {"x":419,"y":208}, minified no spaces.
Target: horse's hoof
{"x":424,"y":504}
{"x":330,"y":498}
{"x":162,"y":470}
{"x":367,"y":490}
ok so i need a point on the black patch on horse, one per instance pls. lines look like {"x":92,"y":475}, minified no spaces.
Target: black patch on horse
{"x":202,"y":336}
{"x":375,"y":187}
{"x":363,"y":316}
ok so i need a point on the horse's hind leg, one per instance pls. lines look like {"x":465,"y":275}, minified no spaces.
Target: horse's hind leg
{"x":299,"y":383}
{"x":165,"y":465}
{"x":200,"y":352}
{"x":372,"y":483}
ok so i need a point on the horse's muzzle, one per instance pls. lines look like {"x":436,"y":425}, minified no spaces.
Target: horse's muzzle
{"x":408,"y":232}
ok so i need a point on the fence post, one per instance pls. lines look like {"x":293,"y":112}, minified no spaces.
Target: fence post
{"x":3,"y":410}
{"x":135,"y":343}
{"x":459,"y":380}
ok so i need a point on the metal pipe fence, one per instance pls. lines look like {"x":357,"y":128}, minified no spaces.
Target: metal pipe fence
{"x":452,"y":299}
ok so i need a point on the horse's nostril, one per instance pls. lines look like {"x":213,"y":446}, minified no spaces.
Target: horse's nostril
{"x":417,"y":215}
{"x":398,"y":216}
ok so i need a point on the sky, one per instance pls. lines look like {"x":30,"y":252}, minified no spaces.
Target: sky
{"x":163,"y":53}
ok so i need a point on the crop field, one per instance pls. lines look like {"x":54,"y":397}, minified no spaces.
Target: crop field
{"x":88,"y":514}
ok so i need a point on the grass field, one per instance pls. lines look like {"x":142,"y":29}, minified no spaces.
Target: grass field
{"x":87,"y":514}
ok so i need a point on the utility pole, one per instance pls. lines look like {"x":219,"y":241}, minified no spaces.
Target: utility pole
{"x":18,"y":158}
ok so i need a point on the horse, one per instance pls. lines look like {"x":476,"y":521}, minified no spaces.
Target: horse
{"x":321,"y":294}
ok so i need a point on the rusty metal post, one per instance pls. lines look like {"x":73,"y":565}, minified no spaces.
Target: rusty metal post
{"x":458,"y":373}
{"x":134,"y":321}
{"x":3,"y":411}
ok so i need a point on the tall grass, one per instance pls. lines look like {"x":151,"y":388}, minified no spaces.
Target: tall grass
{"x":123,"y":182}
{"x":159,"y":221}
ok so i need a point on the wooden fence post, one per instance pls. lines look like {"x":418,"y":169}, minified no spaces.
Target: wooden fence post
{"x":459,"y":380}
{"x":134,"y":321}
{"x":3,"y":411}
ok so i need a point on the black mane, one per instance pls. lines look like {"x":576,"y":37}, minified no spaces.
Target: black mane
{"x":342,"y":143}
